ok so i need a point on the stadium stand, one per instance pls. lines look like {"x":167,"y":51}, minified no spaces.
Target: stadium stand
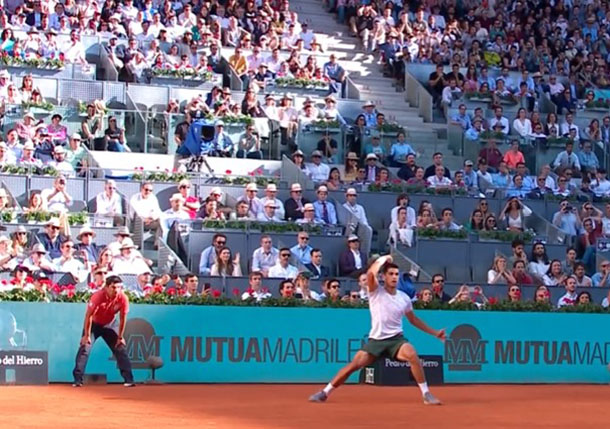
{"x":155,"y":139}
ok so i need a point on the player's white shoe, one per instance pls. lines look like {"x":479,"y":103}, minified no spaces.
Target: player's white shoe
{"x":318,"y":397}
{"x":132,"y":384}
{"x":430,"y":399}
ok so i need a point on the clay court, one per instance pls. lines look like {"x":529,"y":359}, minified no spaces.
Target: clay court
{"x":286,"y":406}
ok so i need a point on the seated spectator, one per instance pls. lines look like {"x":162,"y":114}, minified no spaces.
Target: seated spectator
{"x":438,"y":285}
{"x":587,"y":159}
{"x":51,"y":238}
{"x":476,"y":222}
{"x":191,"y":203}
{"x":58,"y":132}
{"x":522,"y":125}
{"x":582,"y":280}
{"x":303,"y":290}
{"x":325,"y":211}
{"x":587,"y":243}
{"x":255,"y":289}
{"x":115,"y":137}
{"x":462,"y":118}
{"x":146,"y":206}
{"x":439,"y":180}
{"x":567,"y":219}
{"x":59,"y":162}
{"x":38,"y":259}
{"x":570,"y":297}
{"x":309,"y":216}
{"x":317,"y":269}
{"x":287,"y":289}
{"x":302,"y":250}
{"x":352,"y":261}
{"x":570,"y":262}
{"x":500,"y":120}
{"x":520,"y":275}
{"x":334,"y":290}
{"x":400,"y":229}
{"x":210,"y":210}
{"x":334,"y":182}
{"x":129,"y":262}
{"x":602,"y":277}
{"x":294,"y":205}
{"x":569,"y":126}
{"x":566,"y":159}
{"x":355,"y":209}
{"x":446,"y":222}
{"x":283,"y":268}
{"x":108,"y":203}
{"x":249,"y":145}
{"x":492,"y":155}
{"x":407,"y":171}
{"x":269,"y":213}
{"x":175,"y":213}
{"x":513,"y":156}
{"x":86,"y":249}
{"x":210,"y":254}
{"x":499,"y":272}
{"x":67,"y":263}
{"x":57,"y":199}
{"x":450,"y":92}
{"x":254,"y":204}
{"x":601,"y":185}
{"x":318,"y":170}
{"x":225,"y":265}
{"x":555,"y":275}
{"x":437,"y":161}
{"x":403,"y":201}
{"x":514,"y":214}
{"x":400,"y":150}
{"x":7,"y":260}
{"x":540,"y":190}
{"x":265,"y":256}
{"x":271,"y":195}
{"x":514,"y":293}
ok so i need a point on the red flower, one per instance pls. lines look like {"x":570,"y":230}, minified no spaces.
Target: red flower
{"x":4,"y":282}
{"x":181,"y":292}
{"x":29,"y":279}
{"x":62,"y":56}
{"x":259,"y":171}
{"x":216,"y":293}
{"x":158,"y":289}
{"x":147,"y":290}
{"x":396,"y":181}
{"x":251,"y":173}
{"x":171,"y":291}
{"x":493,"y":300}
{"x":70,"y":293}
{"x":209,"y":68}
{"x":235,"y":291}
{"x":228,"y":172}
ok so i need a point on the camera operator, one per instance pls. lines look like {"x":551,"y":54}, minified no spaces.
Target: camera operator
{"x":57,"y":198}
{"x":567,"y":219}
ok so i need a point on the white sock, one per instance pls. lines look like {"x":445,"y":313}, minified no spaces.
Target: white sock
{"x":423,"y":387}
{"x":329,"y":388}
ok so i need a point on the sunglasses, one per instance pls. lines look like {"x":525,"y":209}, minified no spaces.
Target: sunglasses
{"x":55,"y":228}
{"x":439,"y":281}
{"x":221,"y":243}
{"x":285,"y":255}
{"x":514,"y":290}
{"x":304,"y":238}
{"x":334,"y":287}
{"x":148,"y":190}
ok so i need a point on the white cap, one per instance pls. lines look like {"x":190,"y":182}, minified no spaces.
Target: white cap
{"x":270,"y":203}
{"x":295,"y":187}
{"x":351,"y":191}
{"x":251,"y":187}
{"x":177,"y":196}
{"x":271,"y":187}
{"x":216,"y":190}
{"x":322,"y":189}
{"x":308,"y":207}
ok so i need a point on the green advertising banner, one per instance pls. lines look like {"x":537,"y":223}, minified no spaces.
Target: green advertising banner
{"x":214,"y":344}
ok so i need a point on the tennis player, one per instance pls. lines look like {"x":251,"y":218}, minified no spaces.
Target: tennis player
{"x":100,"y":321}
{"x":387,"y":306}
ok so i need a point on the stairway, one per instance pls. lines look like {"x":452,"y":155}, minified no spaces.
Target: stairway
{"x":363,"y":70}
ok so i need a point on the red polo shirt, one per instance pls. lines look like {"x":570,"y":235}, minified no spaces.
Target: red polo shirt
{"x":104,"y":308}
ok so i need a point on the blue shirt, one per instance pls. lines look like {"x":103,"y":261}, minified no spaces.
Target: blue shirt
{"x":588,"y":160}
{"x":302,"y":254}
{"x":464,"y":120}
{"x":370,"y":119}
{"x":223,"y":142}
{"x":472,"y":134}
{"x":597,"y":279}
{"x":208,"y":258}
{"x":399,"y":151}
{"x":516,"y":192}
{"x":500,"y":181}
{"x":330,"y":209}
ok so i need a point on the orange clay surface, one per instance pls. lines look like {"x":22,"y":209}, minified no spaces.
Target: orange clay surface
{"x":286,"y":406}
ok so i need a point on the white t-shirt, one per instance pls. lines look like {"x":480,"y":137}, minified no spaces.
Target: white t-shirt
{"x":386,"y":312}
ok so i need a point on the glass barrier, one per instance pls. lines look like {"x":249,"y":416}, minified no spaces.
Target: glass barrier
{"x":328,"y":138}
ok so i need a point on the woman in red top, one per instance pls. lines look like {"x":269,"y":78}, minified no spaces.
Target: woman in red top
{"x":191,"y":203}
{"x":513,"y":156}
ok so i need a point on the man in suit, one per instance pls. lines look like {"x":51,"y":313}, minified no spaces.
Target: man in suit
{"x":371,"y":167}
{"x":316,"y":268}
{"x":351,"y":261}
{"x":408,"y":169}
{"x":294,"y":204}
{"x":219,"y":64}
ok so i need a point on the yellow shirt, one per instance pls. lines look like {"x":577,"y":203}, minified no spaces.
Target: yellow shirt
{"x":239,"y":64}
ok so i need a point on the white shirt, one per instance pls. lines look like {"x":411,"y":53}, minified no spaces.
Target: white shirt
{"x":132,"y":265}
{"x":290,"y":272}
{"x":357,"y":259}
{"x":386,"y":313}
{"x":108,"y":206}
{"x":73,"y":52}
{"x":58,"y":203}
{"x":319,"y":173}
{"x":503,"y":121}
{"x":72,"y":266}
{"x":411,"y":217}
{"x":145,"y":207}
{"x":567,"y":299}
{"x":358,"y":212}
{"x":524,"y":128}
{"x":565,"y":129}
{"x":63,"y":167}
{"x":538,"y":268}
{"x":434,"y":181}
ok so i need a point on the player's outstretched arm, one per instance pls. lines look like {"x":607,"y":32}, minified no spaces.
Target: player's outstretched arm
{"x":373,"y":273}
{"x":421,"y":325}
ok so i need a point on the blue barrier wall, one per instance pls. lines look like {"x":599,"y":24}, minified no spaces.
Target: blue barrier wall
{"x":249,"y":344}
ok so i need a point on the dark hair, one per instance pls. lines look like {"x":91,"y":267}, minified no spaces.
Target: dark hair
{"x":218,"y":236}
{"x":402,"y":196}
{"x":285,"y":249}
{"x":314,"y":250}
{"x":110,"y":280}
{"x":189,"y":276}
{"x":578,"y":264}
{"x":583,"y":293}
{"x":517,"y":242}
{"x":387,"y":266}
{"x":545,"y":258}
{"x":284,"y":283}
{"x":254,"y":274}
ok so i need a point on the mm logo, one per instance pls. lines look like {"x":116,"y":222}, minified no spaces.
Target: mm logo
{"x":464,"y":349}
{"x":141,"y":342}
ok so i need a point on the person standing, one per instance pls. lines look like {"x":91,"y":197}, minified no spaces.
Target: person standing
{"x":101,"y":321}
